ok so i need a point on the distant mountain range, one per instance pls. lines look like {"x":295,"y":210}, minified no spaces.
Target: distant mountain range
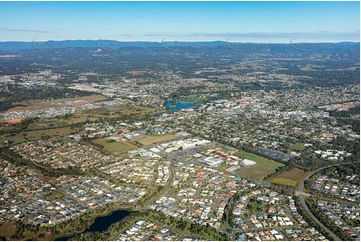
{"x":113,"y":44}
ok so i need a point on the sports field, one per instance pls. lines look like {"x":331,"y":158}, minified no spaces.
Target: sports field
{"x":260,"y":170}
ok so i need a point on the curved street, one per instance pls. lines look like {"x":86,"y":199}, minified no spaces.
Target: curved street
{"x":305,"y":207}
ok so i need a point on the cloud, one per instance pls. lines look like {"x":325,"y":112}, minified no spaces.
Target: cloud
{"x":27,"y":30}
{"x":319,"y":34}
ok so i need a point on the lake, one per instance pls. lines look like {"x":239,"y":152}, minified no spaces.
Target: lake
{"x":178,"y":105}
{"x":103,"y":223}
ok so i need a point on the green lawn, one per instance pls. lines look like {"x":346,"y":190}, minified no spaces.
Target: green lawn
{"x":260,"y":170}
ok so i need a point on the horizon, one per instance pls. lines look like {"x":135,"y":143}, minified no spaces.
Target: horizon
{"x":180,"y":41}
{"x":249,"y":22}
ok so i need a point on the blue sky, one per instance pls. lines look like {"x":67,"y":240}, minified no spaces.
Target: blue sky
{"x":189,"y":21}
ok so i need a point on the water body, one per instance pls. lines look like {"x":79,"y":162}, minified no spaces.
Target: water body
{"x":178,"y":105}
{"x":101,"y":224}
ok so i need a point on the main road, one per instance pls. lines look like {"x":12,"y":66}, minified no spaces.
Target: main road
{"x":304,"y":205}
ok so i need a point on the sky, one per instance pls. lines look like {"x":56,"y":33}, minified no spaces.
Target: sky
{"x":261,"y":22}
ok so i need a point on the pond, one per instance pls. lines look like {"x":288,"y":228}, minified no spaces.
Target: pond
{"x":178,"y":105}
{"x":103,"y":223}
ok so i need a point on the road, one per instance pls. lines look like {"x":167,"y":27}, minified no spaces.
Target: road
{"x":165,"y":189}
{"x":304,"y":206}
{"x":152,"y":200}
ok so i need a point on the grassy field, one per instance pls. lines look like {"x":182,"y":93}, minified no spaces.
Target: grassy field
{"x":114,"y":146}
{"x":289,"y":178}
{"x":36,"y":134}
{"x":260,"y":170}
{"x":39,"y":104}
{"x":118,"y":110}
{"x":156,"y":138}
{"x":7,"y":229}
{"x":49,"y":132}
{"x":284,"y":181}
{"x":196,"y":98}
{"x":59,"y":126}
{"x":297,"y":147}
{"x":54,"y":195}
{"x":59,"y":121}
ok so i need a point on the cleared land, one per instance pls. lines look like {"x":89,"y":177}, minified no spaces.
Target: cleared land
{"x":152,"y":139}
{"x":289,"y":178}
{"x":14,"y":121}
{"x":260,"y":170}
{"x":114,"y":146}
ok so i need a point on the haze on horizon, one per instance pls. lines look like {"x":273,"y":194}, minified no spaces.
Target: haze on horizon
{"x":261,"y":22}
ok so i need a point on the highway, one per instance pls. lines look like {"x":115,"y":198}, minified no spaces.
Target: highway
{"x":304,"y":206}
